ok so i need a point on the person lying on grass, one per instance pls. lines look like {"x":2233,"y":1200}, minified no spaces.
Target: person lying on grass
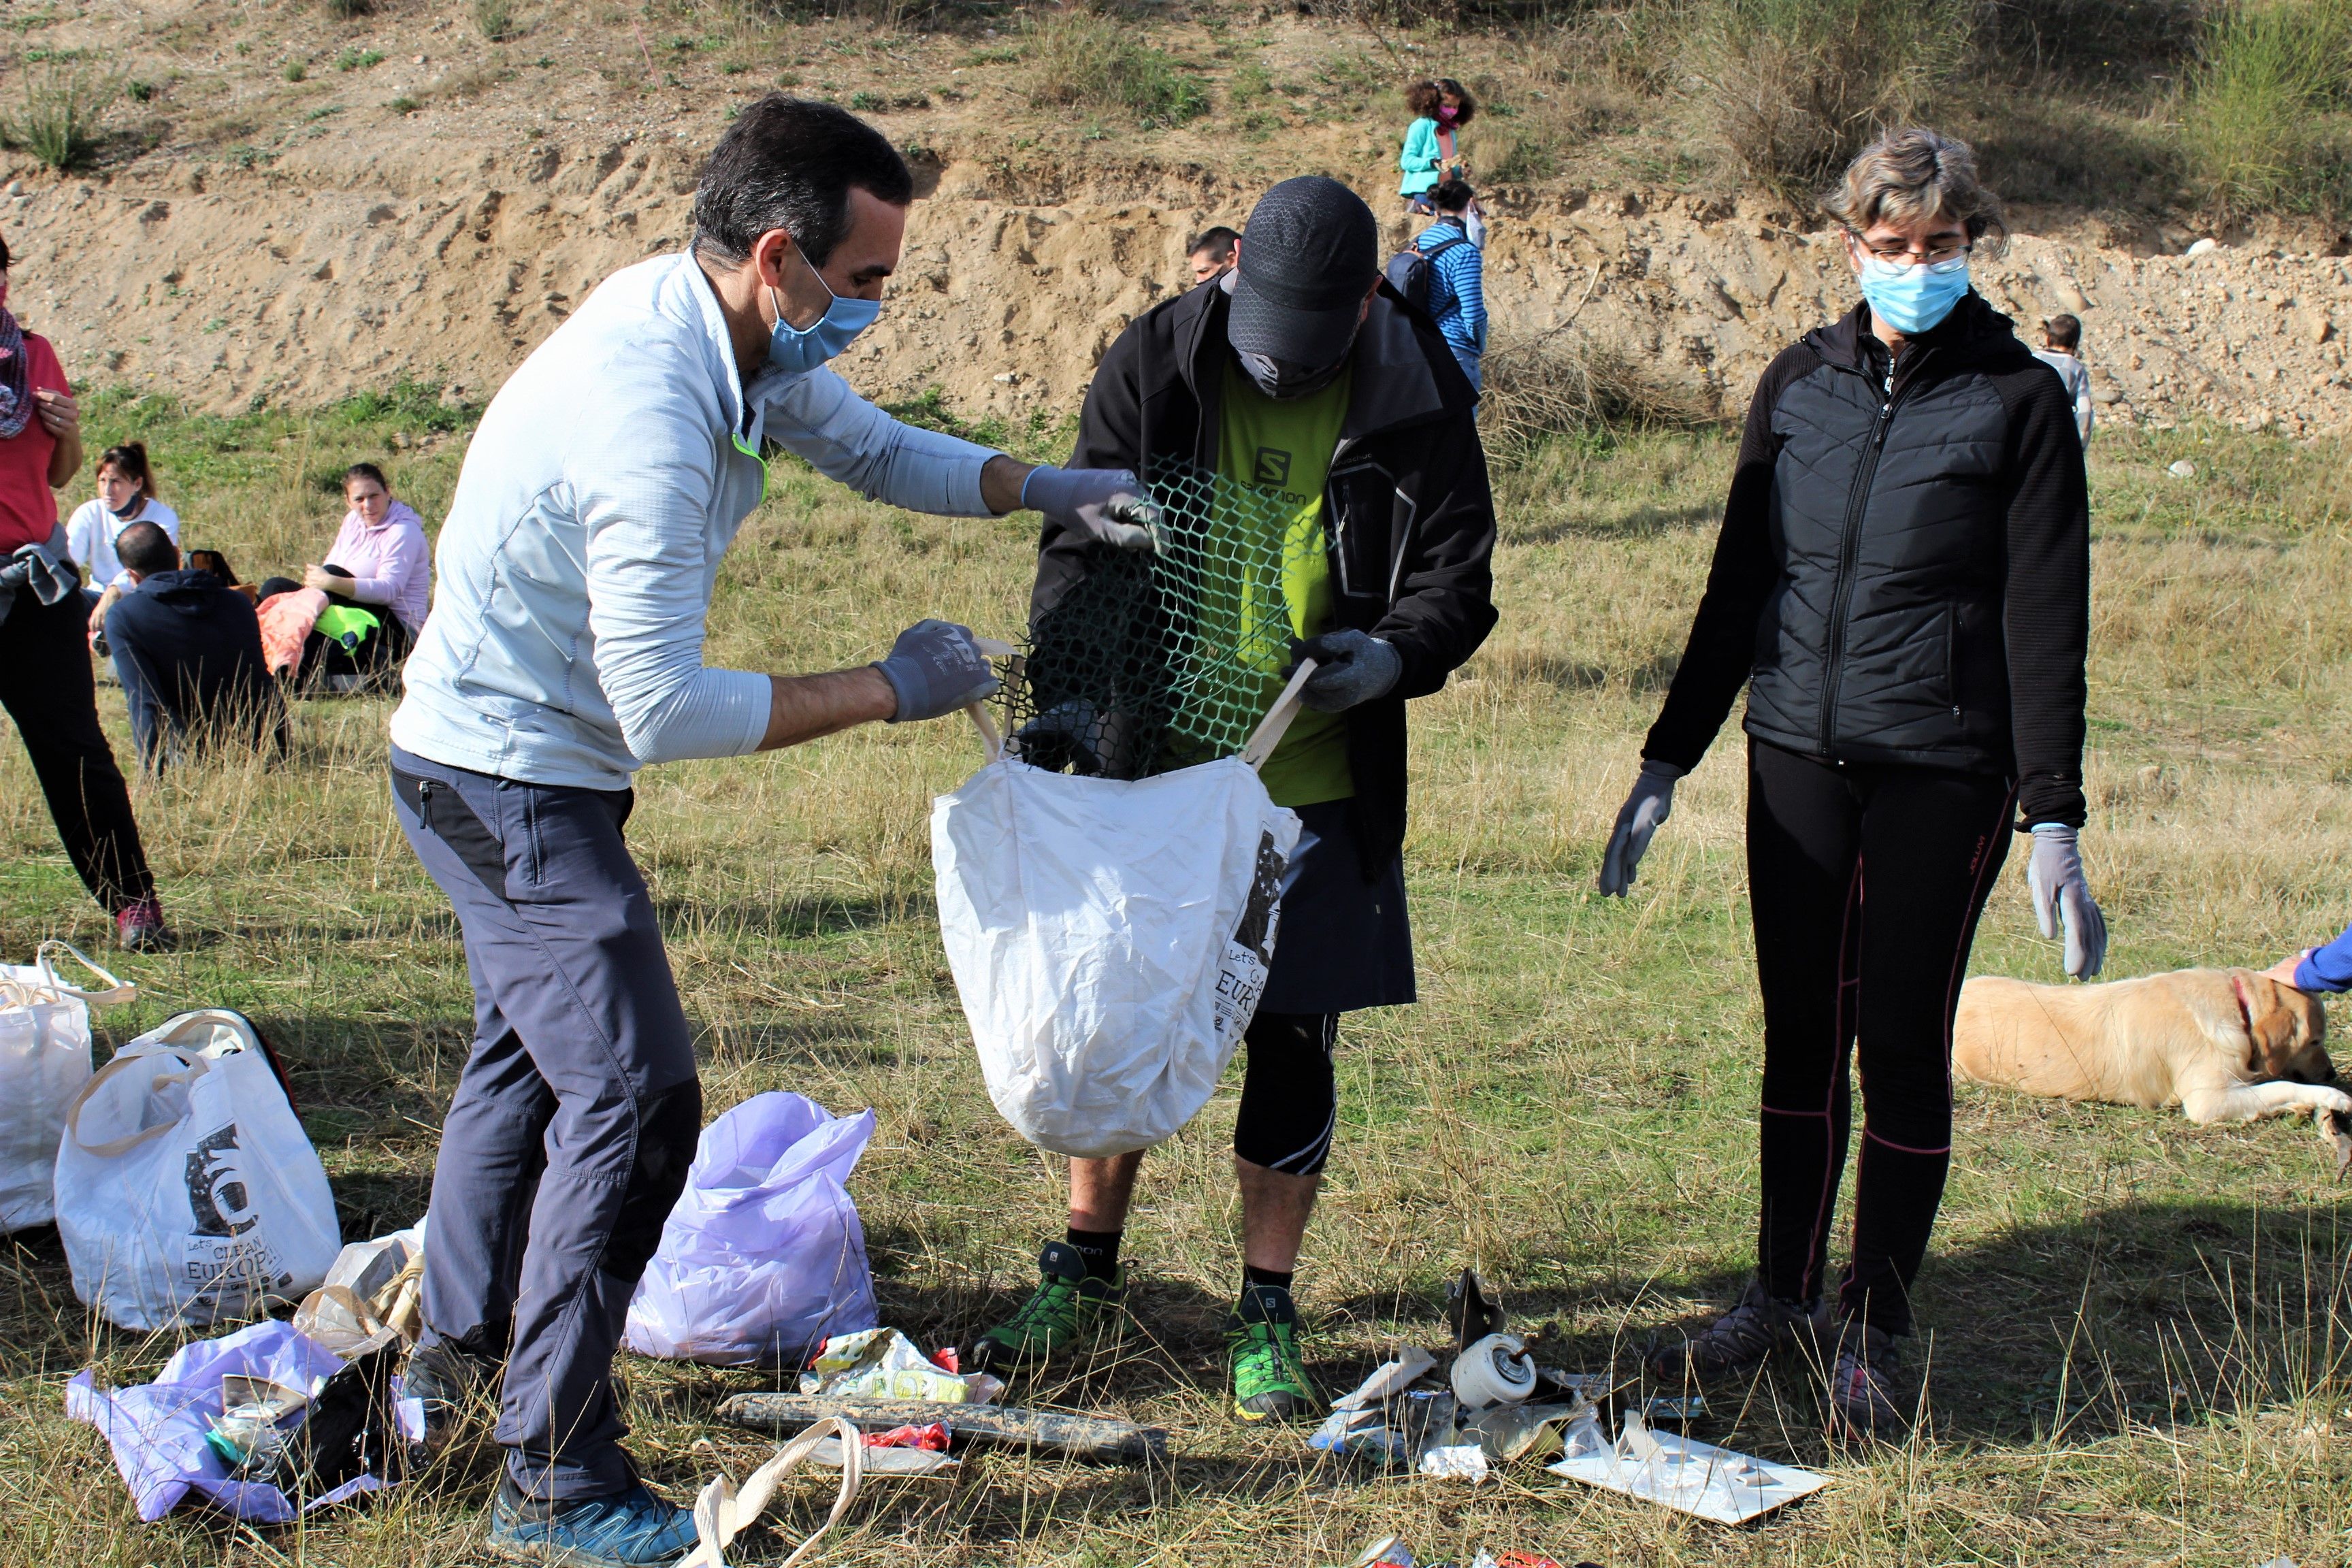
{"x":1300,"y":376}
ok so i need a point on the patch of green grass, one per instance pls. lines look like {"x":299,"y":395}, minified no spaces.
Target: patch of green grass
{"x":356,"y":58}
{"x":2265,"y":122}
{"x":62,"y":115}
{"x":2134,"y":1328}
{"x":403,"y":104}
{"x":296,"y":71}
{"x":495,"y":19}
{"x":1080,"y":60}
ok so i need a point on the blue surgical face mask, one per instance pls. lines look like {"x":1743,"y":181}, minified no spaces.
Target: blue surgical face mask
{"x":1915,"y":297}
{"x":795,"y":349}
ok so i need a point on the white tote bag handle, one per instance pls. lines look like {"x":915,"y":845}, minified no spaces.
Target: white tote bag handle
{"x":1276,"y":723}
{"x":194,"y":1067}
{"x":114,"y":992}
{"x":721,"y":1513}
{"x":991,"y":740}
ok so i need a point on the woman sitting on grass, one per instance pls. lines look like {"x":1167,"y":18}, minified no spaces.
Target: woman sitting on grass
{"x":381,"y":565}
{"x":1439,"y":108}
{"x":127,"y":494}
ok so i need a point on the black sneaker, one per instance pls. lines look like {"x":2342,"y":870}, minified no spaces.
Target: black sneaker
{"x":1735,"y":1345}
{"x":459,"y":1390}
{"x":1862,"y":1382}
{"x":1070,"y":1310}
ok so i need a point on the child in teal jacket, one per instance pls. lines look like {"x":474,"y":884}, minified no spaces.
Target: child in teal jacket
{"x":1439,"y":108}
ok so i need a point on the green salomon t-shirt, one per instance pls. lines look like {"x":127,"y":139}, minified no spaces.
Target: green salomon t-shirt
{"x":1284,"y":449}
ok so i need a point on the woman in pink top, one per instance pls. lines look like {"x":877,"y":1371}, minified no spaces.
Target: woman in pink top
{"x":380,"y":558}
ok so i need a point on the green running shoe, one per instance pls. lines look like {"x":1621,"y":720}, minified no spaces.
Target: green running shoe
{"x":1070,"y":1309}
{"x":1269,"y":1377}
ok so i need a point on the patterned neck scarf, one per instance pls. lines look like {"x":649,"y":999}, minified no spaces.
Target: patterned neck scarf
{"x":16,"y":378}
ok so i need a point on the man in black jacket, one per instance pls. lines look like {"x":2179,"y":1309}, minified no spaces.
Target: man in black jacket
{"x":188,"y":652}
{"x":1302,"y":380}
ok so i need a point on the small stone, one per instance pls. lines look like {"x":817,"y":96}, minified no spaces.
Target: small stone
{"x":15,"y":188}
{"x":2182,"y":469}
{"x":2203,"y":246}
{"x":1010,"y":378}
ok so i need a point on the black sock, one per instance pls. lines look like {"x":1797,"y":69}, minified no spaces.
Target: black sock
{"x":1099,"y":1248}
{"x":1252,"y":1275}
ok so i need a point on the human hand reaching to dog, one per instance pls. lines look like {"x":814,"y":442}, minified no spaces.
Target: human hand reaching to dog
{"x":2285,"y":969}
{"x":1644,"y":811}
{"x":2062,"y":898}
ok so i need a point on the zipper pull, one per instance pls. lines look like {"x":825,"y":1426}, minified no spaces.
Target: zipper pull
{"x":425,"y":804}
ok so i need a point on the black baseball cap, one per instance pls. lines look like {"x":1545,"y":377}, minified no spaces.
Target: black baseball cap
{"x":1309,"y":254}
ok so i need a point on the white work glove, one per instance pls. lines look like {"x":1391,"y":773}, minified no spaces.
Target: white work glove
{"x":2061,"y":897}
{"x":1106,"y":505}
{"x":1652,"y":802}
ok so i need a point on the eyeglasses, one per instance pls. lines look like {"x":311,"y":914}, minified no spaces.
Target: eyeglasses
{"x":1906,"y":256}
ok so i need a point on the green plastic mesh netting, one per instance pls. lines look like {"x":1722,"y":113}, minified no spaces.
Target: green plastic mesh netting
{"x":1163,"y":658}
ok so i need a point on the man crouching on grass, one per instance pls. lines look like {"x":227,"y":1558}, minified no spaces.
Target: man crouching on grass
{"x":1304,"y":377}
{"x":607,"y":480}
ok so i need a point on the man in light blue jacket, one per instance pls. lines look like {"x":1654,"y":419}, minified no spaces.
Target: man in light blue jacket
{"x":566,"y":651}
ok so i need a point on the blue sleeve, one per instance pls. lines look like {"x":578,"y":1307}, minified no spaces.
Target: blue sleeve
{"x":1465,"y":275}
{"x":2327,"y":968}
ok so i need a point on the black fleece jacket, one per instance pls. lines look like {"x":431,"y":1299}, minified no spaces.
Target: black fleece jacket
{"x":1904,"y":570}
{"x":1409,"y":521}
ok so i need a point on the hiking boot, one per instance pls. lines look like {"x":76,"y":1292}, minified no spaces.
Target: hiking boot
{"x":626,"y":1530}
{"x":1069,"y":1309}
{"x":458,"y":1389}
{"x":140,"y":927}
{"x":1862,"y":1391}
{"x":1262,"y":1359}
{"x":1735,"y":1345}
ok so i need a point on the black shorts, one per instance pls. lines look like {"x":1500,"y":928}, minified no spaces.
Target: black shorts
{"x":1344,"y":943}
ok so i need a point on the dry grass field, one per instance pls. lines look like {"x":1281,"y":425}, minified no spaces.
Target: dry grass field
{"x":2136,"y":1331}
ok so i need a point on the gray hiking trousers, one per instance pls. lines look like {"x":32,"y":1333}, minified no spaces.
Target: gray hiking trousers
{"x":576,"y":1116}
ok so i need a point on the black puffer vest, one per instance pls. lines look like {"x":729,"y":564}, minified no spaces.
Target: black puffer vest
{"x":1882,"y":640}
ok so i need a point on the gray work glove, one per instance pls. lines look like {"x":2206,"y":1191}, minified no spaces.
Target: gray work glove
{"x":1351,"y":666}
{"x":2062,"y":898}
{"x":936,"y":668}
{"x":1106,"y":505}
{"x":1644,"y":811}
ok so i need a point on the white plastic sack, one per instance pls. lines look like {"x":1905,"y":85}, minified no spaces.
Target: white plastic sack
{"x":1110,"y":940}
{"x":186,"y":1191}
{"x":44,"y":1062}
{"x":764,"y":1258}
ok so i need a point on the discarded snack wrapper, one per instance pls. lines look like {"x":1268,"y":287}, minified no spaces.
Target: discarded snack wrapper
{"x":934,"y":1438}
{"x":1517,"y":1559}
{"x":1508,"y":1432}
{"x":1496,"y":1370}
{"x":1361,"y":1434}
{"x":1680,"y":1473}
{"x":1466,"y":1462}
{"x":883,"y":1363}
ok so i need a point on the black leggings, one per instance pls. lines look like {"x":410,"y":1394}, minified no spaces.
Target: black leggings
{"x":46,"y":686}
{"x":1867,"y":881}
{"x":1290,"y":1102}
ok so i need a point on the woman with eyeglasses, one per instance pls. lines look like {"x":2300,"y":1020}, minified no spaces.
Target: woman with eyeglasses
{"x":1902,"y":583}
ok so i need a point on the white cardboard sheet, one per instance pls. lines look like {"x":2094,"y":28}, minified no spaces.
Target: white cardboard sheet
{"x":1680,"y":1473}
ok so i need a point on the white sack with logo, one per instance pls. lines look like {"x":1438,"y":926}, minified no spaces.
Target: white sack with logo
{"x":44,"y":1062}
{"x":186,"y":1191}
{"x":1109,"y":939}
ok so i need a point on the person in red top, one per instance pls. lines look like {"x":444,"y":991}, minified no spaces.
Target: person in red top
{"x":46,"y":681}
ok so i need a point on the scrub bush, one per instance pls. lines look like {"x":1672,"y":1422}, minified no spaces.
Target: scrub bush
{"x":1792,"y":89}
{"x":1081,"y":61}
{"x":2258,"y":119}
{"x":65,"y":103}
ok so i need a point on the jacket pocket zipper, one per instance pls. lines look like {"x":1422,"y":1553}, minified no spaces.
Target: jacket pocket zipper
{"x":1952,"y":656}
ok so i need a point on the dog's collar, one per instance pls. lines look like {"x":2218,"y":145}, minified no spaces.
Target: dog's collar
{"x":2245,"y":1002}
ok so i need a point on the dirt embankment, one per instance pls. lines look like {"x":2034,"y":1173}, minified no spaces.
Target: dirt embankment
{"x":344,"y":266}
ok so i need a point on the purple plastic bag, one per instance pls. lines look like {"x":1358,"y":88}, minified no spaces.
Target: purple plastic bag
{"x":157,"y":1430}
{"x":764,"y":1258}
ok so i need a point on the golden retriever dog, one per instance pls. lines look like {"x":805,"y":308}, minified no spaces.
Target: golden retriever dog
{"x":2224,"y":1044}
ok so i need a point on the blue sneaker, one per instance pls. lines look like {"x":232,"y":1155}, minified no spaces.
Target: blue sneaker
{"x":628,"y":1529}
